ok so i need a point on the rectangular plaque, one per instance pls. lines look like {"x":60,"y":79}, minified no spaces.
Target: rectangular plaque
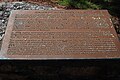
{"x":60,"y":34}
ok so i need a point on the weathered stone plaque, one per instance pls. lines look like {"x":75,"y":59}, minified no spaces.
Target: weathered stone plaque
{"x":60,"y":34}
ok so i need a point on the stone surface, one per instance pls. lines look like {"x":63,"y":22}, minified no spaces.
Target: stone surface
{"x":64,"y":34}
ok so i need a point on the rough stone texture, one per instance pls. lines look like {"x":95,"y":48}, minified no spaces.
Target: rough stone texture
{"x":60,"y":34}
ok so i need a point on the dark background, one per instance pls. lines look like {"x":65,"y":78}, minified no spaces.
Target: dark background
{"x":84,"y":69}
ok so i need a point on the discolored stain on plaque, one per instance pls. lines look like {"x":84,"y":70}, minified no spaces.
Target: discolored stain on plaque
{"x":60,"y":34}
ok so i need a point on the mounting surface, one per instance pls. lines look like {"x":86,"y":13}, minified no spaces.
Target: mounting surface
{"x":60,"y":34}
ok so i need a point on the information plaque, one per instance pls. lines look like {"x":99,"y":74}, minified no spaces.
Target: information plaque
{"x":60,"y":34}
